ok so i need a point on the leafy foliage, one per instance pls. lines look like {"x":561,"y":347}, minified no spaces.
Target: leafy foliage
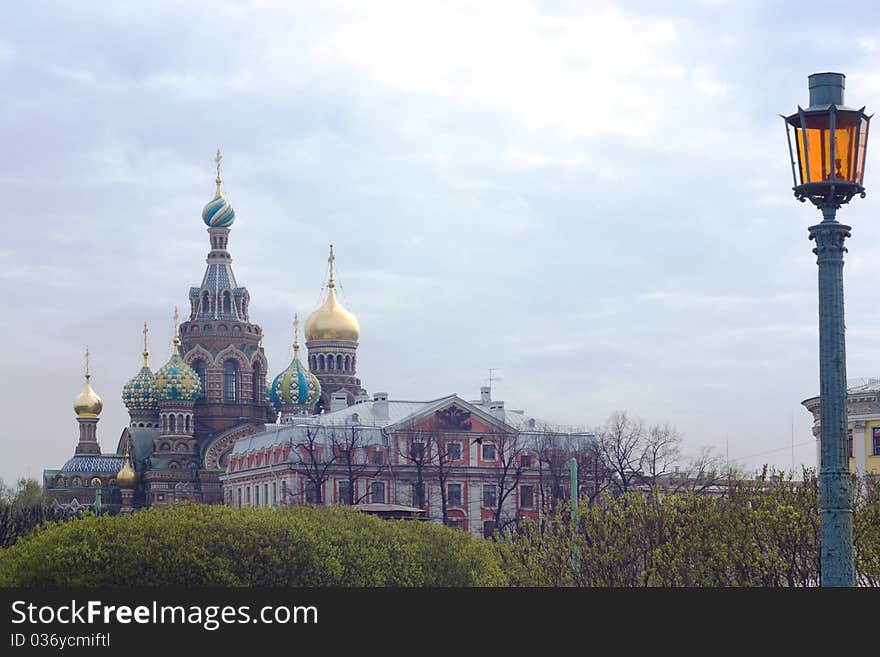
{"x":761,"y":533}
{"x":197,"y":545}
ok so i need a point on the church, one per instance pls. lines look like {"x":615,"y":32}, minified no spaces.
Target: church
{"x":186,"y":416}
{"x":208,"y":426}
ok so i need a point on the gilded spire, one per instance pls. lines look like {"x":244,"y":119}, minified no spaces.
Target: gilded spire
{"x":331,"y":284}
{"x":176,"y":337}
{"x":87,"y":403}
{"x":219,"y":180}
{"x":146,"y":351}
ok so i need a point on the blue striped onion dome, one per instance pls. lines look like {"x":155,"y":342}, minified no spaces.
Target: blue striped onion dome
{"x":176,"y":380}
{"x":138,"y":394}
{"x":295,"y":386}
{"x":218,"y":213}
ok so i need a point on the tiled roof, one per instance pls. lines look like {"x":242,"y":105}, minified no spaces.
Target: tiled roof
{"x":94,"y":463}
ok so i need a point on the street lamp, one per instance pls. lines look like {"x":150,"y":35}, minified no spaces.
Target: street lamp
{"x":827,"y":152}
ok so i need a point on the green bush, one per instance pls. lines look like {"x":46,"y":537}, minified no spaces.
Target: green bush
{"x":196,"y":545}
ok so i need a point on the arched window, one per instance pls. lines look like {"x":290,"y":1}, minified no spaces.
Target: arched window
{"x":330,"y":362}
{"x":201,"y":369}
{"x":230,"y":381}
{"x":164,"y":424}
{"x":339,"y":361}
{"x":206,"y":303}
{"x":187,"y":424}
{"x":180,"y":422}
{"x":348,"y":363}
{"x":321,"y":362}
{"x":172,"y":424}
{"x":353,"y":364}
{"x":257,"y":386}
{"x":227,"y":306}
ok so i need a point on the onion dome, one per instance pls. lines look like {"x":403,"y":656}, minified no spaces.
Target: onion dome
{"x":126,"y":476}
{"x":176,"y":380}
{"x":331,"y":321}
{"x":137,"y":394}
{"x":218,"y":213}
{"x":87,"y":403}
{"x":295,"y":386}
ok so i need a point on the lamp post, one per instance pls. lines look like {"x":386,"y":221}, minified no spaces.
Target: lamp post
{"x":827,"y":142}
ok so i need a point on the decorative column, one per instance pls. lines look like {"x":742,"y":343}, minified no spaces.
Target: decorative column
{"x":835,"y":495}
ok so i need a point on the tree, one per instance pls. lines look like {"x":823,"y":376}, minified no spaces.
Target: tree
{"x":620,"y":444}
{"x":416,"y":447}
{"x":508,"y":450}
{"x":349,"y":449}
{"x":315,"y":463}
{"x":661,"y":450}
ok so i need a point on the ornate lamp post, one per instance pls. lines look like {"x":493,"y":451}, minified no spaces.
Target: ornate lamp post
{"x":827,"y":142}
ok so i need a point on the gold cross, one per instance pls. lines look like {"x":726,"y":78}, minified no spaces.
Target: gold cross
{"x":88,"y":374}
{"x":330,"y":260}
{"x":146,"y":352}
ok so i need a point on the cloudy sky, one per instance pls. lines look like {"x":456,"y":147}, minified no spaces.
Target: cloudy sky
{"x":592,"y":197}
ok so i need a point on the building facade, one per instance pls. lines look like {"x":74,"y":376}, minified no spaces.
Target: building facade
{"x":468,"y":464}
{"x":863,"y":415}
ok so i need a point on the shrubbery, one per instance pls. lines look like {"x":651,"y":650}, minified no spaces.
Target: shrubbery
{"x":196,"y":545}
{"x":759,"y":534}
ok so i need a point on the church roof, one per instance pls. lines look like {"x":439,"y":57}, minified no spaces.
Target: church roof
{"x":94,"y":463}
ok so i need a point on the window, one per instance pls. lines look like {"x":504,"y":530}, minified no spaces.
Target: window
{"x":274,"y":494}
{"x":488,"y":451}
{"x":453,"y":494}
{"x":453,"y":451}
{"x":257,"y":495}
{"x":345,"y":456}
{"x":172,"y":424}
{"x":525,"y":461}
{"x":266,"y":494}
{"x":490,"y":497}
{"x":344,"y":488}
{"x":239,"y":497}
{"x":201,"y":370}
{"x":849,"y":444}
{"x":230,"y":379}
{"x":257,"y":392}
{"x":455,"y":523}
{"x":418,"y":495}
{"x":377,"y":492}
{"x":247,"y":495}
{"x":377,"y":457}
{"x":876,"y":441}
{"x":312,"y":496}
{"x":526,"y":497}
{"x":488,"y":528}
{"x":417,"y":451}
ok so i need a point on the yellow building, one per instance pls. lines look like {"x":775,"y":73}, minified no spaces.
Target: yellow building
{"x":863,"y":413}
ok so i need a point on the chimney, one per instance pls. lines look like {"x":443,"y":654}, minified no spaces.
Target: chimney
{"x":338,"y":401}
{"x":380,"y":405}
{"x":361,"y":397}
{"x":496,"y":408}
{"x":485,"y":394}
{"x":531,"y":423}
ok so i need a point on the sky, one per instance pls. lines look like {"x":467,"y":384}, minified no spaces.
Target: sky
{"x":594,"y":198}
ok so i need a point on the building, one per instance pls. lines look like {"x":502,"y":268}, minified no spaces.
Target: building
{"x":468,"y":464}
{"x":863,"y":414}
{"x":206,"y":426}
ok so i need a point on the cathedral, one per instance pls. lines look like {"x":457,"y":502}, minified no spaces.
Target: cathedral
{"x":186,"y":416}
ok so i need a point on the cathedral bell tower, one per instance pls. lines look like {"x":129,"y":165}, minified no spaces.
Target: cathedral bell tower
{"x":219,"y":341}
{"x":332,"y":335}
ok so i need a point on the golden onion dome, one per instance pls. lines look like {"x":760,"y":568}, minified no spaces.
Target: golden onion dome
{"x":87,"y":403}
{"x":126,"y":476}
{"x":331,"y":321}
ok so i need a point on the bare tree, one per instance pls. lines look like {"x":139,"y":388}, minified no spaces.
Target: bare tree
{"x":349,"y":449}
{"x":620,"y":444}
{"x":660,"y":452}
{"x":315,"y":465}
{"x":508,"y":451}
{"x":415,"y":448}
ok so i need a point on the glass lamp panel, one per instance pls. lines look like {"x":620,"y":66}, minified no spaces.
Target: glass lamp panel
{"x":859,"y":168}
{"x":814,"y":154}
{"x":845,"y":128}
